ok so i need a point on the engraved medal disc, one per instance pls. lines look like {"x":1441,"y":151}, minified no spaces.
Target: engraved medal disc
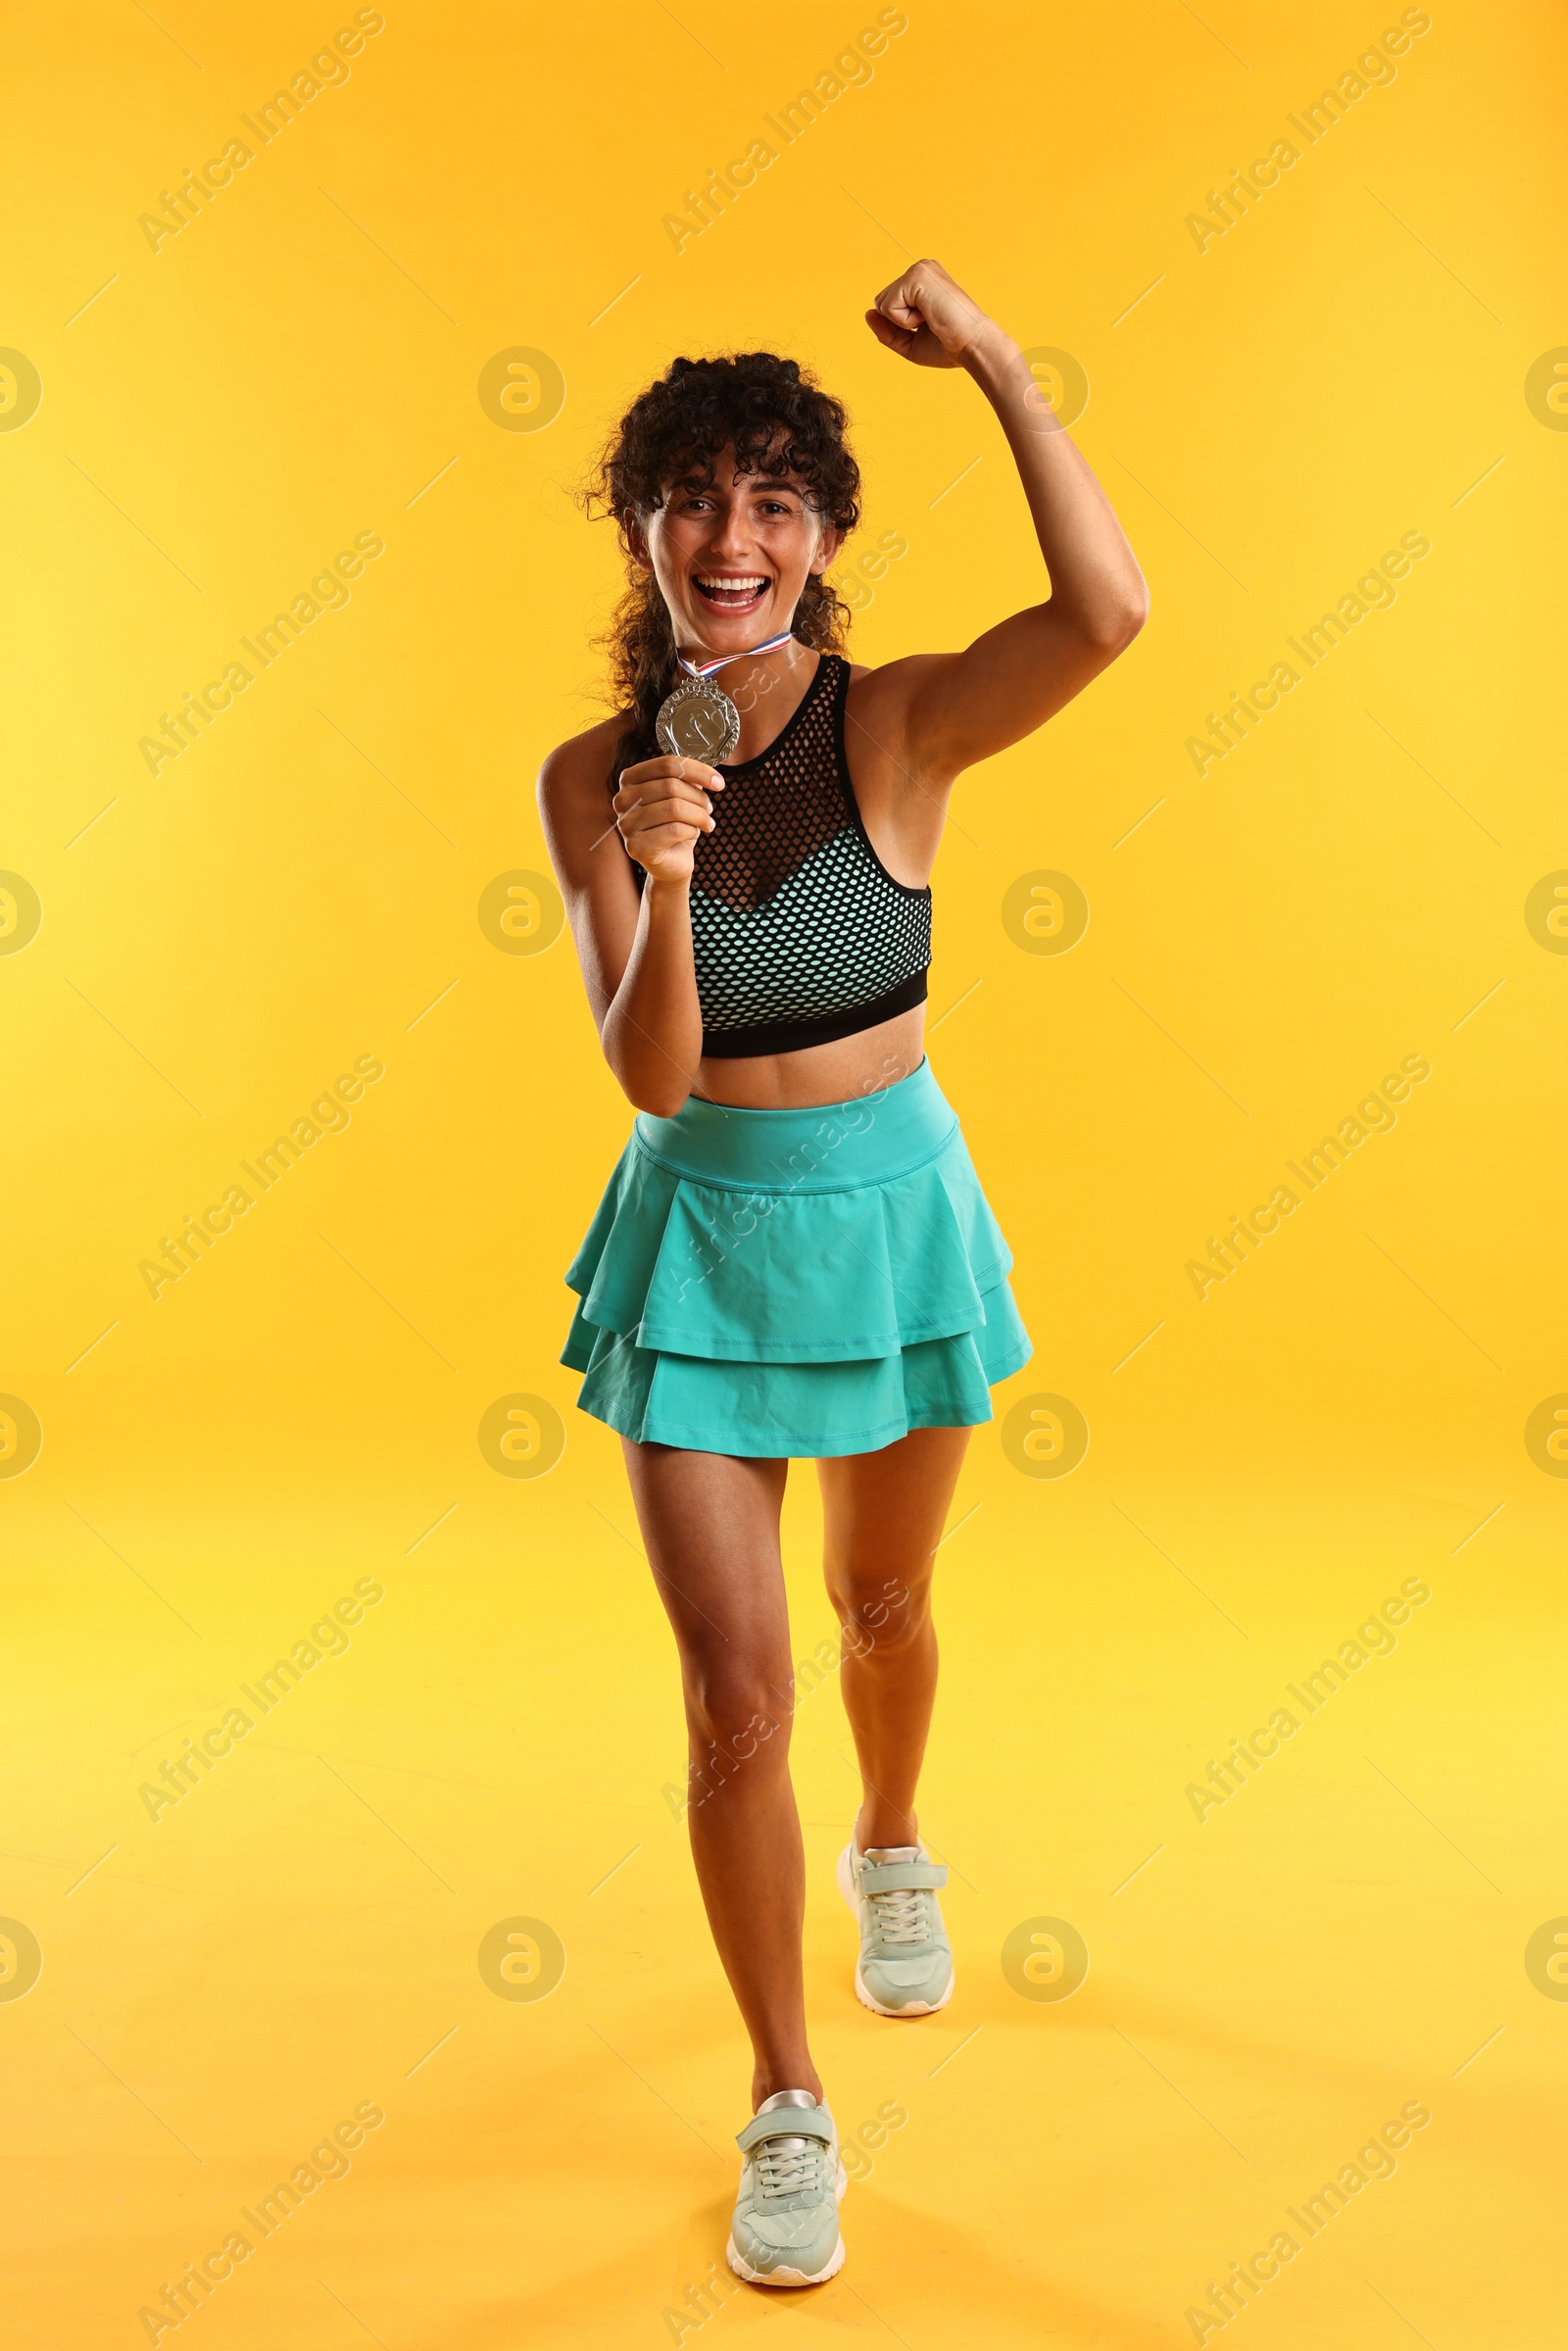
{"x":697,"y":721}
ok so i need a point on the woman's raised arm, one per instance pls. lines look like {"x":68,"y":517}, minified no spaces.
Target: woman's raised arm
{"x":952,"y":710}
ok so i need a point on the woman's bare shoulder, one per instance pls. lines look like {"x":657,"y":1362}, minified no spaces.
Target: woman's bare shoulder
{"x":581,"y":763}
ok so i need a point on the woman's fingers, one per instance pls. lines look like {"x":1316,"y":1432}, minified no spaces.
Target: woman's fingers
{"x":663,"y":793}
{"x":897,"y":304}
{"x":925,"y":315}
{"x":664,"y":807}
{"x":894,"y":338}
{"x":647,"y":813}
{"x":643,"y":786}
{"x":666,"y":766}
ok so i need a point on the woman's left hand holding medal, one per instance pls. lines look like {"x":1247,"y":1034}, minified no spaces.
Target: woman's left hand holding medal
{"x":661,"y":807}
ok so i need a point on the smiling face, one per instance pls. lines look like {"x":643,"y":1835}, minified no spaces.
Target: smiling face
{"x":732,"y":555}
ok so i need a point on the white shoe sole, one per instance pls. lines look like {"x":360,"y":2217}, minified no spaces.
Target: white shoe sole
{"x":835,"y":2261}
{"x":846,"y":1879}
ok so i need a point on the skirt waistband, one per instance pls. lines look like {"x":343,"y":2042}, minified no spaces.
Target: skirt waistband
{"x":822,"y":1146}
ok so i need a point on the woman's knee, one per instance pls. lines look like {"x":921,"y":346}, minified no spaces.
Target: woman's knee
{"x":737,"y":1703}
{"x":887,"y":1612}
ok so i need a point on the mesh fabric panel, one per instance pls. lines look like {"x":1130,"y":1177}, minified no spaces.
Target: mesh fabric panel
{"x":799,"y":932}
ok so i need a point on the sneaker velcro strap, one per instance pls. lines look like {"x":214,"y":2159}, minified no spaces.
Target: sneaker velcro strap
{"x":895,"y":1876}
{"x":786,"y":2122}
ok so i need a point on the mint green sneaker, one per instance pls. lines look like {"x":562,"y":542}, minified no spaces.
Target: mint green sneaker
{"x":905,"y":1962}
{"x":786,"y":2226}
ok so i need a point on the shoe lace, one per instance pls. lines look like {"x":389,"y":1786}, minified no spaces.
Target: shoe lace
{"x":902,"y":1913}
{"x":790,"y":2167}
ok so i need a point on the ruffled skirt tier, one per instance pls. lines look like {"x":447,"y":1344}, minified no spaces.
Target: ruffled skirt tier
{"x":802,"y":1283}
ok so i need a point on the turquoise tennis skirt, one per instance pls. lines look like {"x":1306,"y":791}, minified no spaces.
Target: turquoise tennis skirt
{"x":795,"y":1283}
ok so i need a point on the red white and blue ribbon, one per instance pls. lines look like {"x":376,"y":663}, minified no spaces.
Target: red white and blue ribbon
{"x":752,"y":651}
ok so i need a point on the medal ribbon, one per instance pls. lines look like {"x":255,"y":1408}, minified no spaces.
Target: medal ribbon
{"x":707,"y":668}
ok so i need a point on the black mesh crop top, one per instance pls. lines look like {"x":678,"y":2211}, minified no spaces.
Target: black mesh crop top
{"x":801,"y":933}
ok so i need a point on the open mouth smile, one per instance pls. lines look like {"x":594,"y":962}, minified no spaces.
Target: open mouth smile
{"x":732,"y":590}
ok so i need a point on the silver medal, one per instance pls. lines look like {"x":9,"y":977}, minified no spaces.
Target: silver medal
{"x":697,"y":721}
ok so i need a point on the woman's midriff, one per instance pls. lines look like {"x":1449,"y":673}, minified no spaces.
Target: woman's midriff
{"x":820,"y":1073}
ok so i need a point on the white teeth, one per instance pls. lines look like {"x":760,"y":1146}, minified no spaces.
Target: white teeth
{"x":735,"y":587}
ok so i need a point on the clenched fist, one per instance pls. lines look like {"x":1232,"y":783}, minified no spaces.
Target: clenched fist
{"x":924,"y":317}
{"x":661,"y":808}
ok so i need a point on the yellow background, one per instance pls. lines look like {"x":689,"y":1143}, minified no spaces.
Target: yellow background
{"x":301,"y":888}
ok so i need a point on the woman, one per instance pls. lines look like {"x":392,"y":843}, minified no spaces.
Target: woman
{"x":794,"y":1257}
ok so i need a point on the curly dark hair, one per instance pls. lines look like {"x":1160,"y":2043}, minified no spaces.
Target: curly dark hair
{"x":778,"y":420}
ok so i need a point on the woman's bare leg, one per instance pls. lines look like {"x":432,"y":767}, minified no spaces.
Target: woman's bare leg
{"x":883,"y":1515}
{"x":710,"y":1526}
